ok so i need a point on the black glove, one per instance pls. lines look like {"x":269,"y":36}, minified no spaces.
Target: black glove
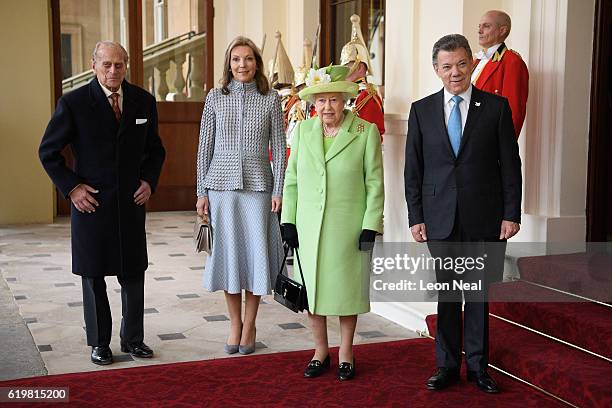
{"x":290,"y":235}
{"x":366,"y":240}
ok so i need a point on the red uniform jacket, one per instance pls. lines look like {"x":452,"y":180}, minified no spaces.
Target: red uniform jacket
{"x":506,"y":74}
{"x":368,"y":106}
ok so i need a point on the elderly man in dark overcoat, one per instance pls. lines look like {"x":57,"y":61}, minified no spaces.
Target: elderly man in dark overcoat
{"x":111,"y":128}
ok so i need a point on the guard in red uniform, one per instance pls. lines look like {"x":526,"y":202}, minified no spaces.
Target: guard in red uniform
{"x":368,"y":104}
{"x":499,"y":70}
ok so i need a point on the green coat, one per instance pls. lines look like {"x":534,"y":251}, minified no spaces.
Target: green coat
{"x":331,"y":198}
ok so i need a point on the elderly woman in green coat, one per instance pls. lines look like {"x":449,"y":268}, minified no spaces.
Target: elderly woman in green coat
{"x":333,"y":209}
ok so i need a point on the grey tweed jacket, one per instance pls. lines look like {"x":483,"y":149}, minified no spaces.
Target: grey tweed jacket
{"x":235,"y":133}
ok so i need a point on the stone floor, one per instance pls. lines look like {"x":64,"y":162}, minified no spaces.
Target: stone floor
{"x":183,"y":322}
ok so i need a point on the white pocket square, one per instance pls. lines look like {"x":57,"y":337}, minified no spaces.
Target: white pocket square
{"x":140,"y":121}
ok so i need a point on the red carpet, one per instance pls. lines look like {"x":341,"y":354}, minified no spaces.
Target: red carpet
{"x":388,"y":375}
{"x":584,"y":324}
{"x":567,"y":372}
{"x":575,"y":376}
{"x":584,"y":274}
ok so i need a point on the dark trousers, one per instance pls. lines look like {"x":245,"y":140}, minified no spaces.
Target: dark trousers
{"x":98,"y":319}
{"x":475,"y":324}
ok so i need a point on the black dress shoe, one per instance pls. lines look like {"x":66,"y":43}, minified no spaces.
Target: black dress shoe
{"x":140,"y":350}
{"x":101,"y":355}
{"x":442,"y":378}
{"x":315,"y":368}
{"x":346,"y":371}
{"x":483,"y":380}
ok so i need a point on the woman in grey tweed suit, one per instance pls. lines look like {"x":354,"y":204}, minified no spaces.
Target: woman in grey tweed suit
{"x":239,"y":190}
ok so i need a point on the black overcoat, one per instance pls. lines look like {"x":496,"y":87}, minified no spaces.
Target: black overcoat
{"x":112,"y":158}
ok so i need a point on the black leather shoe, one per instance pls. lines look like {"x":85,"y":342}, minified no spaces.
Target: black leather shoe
{"x":346,"y":371}
{"x":315,"y":368}
{"x":140,"y":350}
{"x":101,"y":355}
{"x":442,"y":378}
{"x":483,"y":380}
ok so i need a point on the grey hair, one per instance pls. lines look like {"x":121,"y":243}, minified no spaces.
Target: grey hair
{"x":94,"y":55}
{"x":502,"y":19}
{"x":450,"y":42}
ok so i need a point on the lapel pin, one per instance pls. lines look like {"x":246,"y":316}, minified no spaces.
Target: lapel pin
{"x":477,"y":103}
{"x":360,"y":127}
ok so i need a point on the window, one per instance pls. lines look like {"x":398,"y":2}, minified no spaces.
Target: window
{"x":82,"y":24}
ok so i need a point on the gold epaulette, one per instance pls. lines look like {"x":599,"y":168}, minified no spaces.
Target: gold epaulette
{"x":371,"y":88}
{"x":299,"y":114}
{"x":296,"y":113}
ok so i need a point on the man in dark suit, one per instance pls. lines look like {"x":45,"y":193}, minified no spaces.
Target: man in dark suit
{"x":463,"y":190}
{"x":111,"y":127}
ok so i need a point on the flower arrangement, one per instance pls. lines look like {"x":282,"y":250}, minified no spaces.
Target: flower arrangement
{"x":318,"y":76}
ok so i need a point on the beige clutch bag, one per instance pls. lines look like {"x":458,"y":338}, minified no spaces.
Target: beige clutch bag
{"x":203,"y":235}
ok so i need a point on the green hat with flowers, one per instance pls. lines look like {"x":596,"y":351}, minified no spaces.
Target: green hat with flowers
{"x":328,"y":79}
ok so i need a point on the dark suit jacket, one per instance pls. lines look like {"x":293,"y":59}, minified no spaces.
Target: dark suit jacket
{"x":483,"y":182}
{"x":112,"y":158}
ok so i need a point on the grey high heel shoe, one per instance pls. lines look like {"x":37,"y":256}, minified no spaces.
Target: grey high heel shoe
{"x":248,"y":349}
{"x":231,"y":348}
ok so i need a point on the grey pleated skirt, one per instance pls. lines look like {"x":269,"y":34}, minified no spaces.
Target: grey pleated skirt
{"x":247,"y":248}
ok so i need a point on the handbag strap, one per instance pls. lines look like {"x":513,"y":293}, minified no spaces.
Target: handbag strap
{"x":297,"y":253}
{"x":205,"y":219}
{"x":286,"y":251}
{"x":299,"y":264}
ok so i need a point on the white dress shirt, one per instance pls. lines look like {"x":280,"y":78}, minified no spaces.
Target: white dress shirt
{"x":484,"y":56}
{"x":108,"y":93}
{"x":464,"y":105}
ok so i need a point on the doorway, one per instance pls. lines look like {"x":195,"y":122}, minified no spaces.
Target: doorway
{"x":599,"y":188}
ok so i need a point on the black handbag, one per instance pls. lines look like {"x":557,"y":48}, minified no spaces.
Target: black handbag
{"x":288,"y":292}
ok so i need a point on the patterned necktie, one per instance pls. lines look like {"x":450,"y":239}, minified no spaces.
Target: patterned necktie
{"x":115,"y":104}
{"x":454,"y":125}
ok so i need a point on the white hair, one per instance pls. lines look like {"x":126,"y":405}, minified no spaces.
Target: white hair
{"x":94,"y":55}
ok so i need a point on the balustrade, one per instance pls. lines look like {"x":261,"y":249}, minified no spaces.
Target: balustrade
{"x":165,"y":73}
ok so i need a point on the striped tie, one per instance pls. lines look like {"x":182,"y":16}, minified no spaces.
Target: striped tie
{"x":115,"y":104}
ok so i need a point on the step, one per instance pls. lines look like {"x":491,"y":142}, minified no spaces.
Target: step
{"x":573,"y":375}
{"x":584,"y":324}
{"x":584,"y":274}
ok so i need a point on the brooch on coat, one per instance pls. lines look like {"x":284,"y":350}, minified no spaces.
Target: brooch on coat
{"x":360,"y":127}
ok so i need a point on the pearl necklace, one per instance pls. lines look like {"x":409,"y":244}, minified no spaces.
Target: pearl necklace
{"x":328,"y":133}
